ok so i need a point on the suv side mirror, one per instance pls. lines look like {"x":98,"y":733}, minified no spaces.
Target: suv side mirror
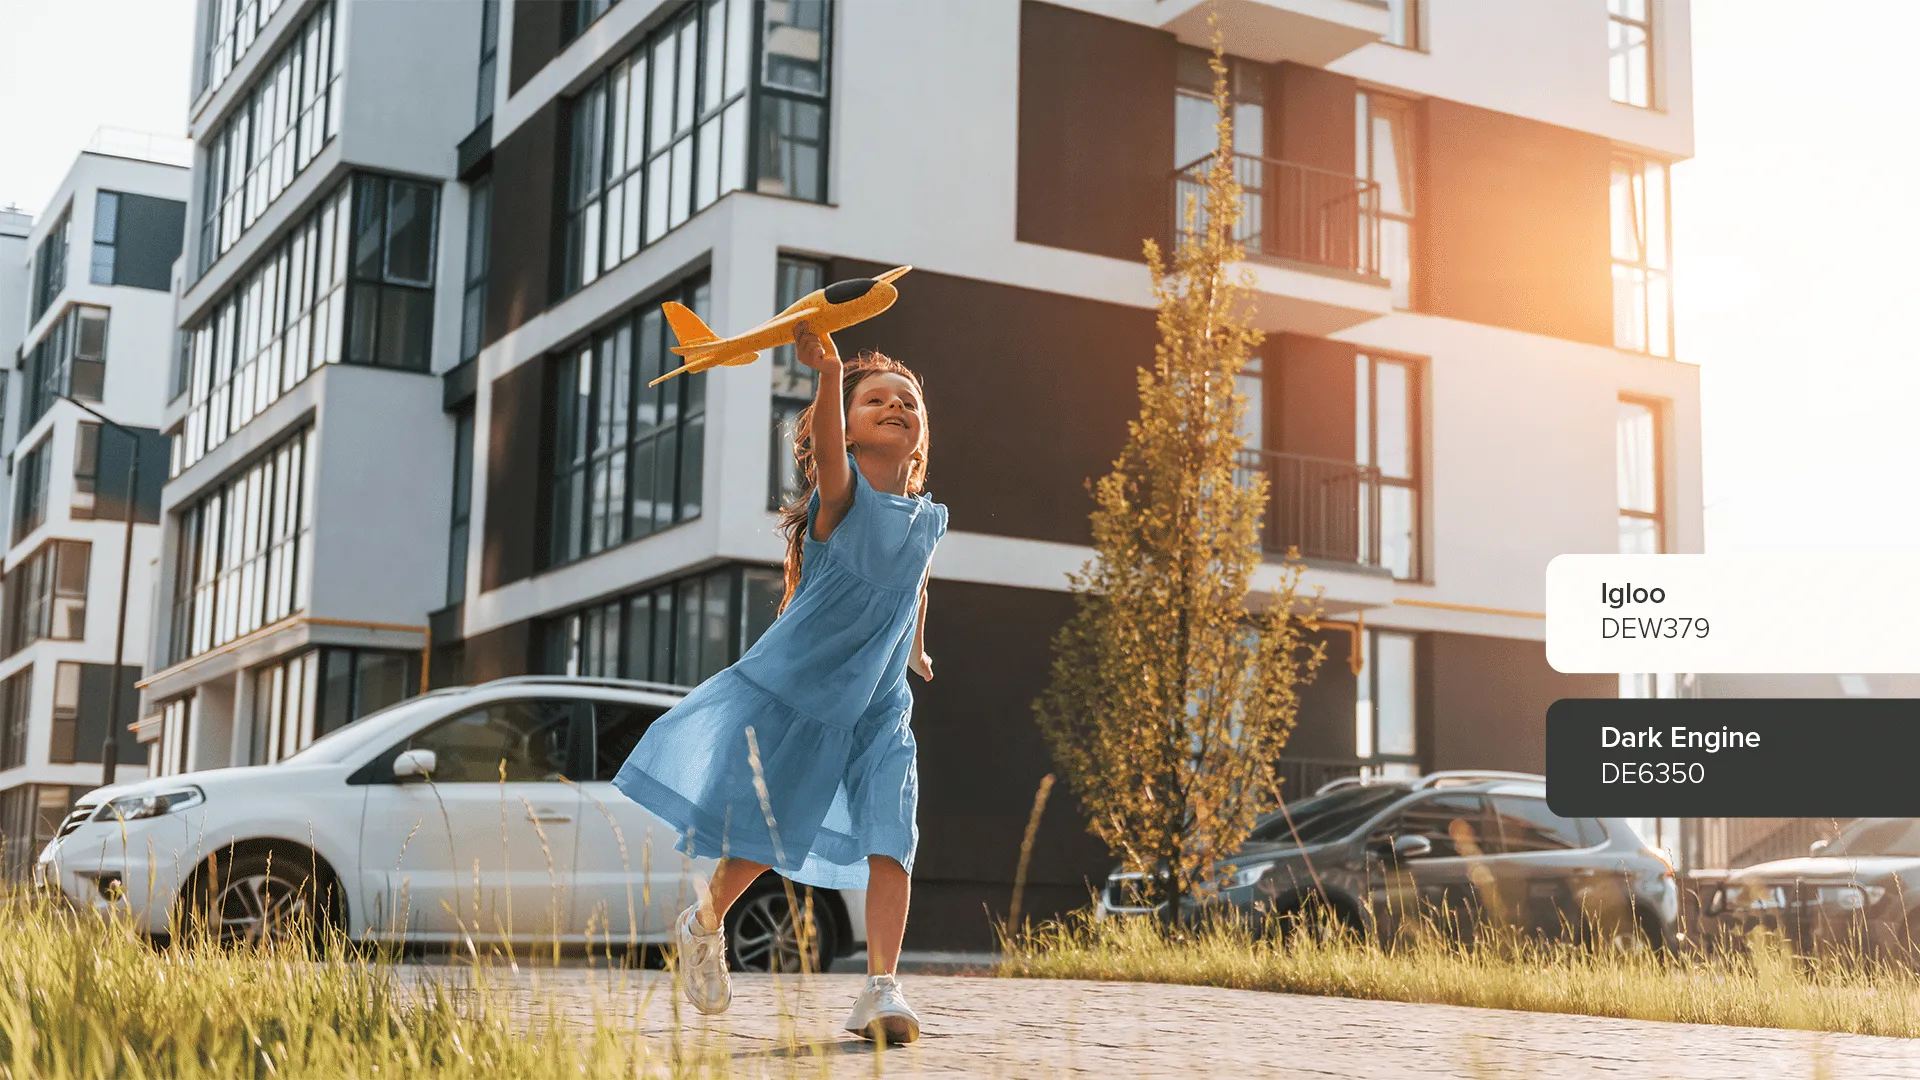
{"x":1411,"y":847}
{"x":1818,"y":847}
{"x":414,"y":765}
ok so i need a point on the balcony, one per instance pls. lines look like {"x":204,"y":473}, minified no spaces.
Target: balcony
{"x":1314,"y":32}
{"x":1312,"y":239}
{"x":1327,"y":508}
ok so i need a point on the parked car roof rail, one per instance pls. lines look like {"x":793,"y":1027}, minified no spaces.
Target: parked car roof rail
{"x":1458,"y":777}
{"x":590,"y":680}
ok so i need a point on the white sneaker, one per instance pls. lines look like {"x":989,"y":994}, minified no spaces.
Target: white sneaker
{"x":882,"y":1011}
{"x":703,"y":963}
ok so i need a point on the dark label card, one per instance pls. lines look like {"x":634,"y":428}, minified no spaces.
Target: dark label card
{"x":1734,"y":757}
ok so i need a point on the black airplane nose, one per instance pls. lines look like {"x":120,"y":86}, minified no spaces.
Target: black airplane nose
{"x":842,"y":291}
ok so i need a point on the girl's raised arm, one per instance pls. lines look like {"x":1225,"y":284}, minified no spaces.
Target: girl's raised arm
{"x":829,"y":430}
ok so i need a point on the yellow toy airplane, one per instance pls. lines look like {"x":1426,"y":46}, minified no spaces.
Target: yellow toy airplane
{"x":835,"y":307}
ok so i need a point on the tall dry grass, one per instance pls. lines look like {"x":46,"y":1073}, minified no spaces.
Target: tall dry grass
{"x":1766,"y":986}
{"x":85,"y":997}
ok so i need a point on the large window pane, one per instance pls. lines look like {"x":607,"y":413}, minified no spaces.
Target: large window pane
{"x":242,"y":553}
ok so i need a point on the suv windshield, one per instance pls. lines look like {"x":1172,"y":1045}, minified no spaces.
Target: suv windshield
{"x":1899,"y":837}
{"x":1320,"y":818}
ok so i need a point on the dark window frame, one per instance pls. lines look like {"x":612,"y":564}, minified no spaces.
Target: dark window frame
{"x":273,"y":535}
{"x":32,"y":479}
{"x":295,"y":103}
{"x":1415,"y":482}
{"x":50,"y":264}
{"x":647,"y":633}
{"x":1656,"y":414}
{"x":598,"y":443}
{"x":646,"y":153}
{"x":460,"y":520}
{"x":16,"y":703}
{"x":794,"y":384}
{"x":62,"y":363}
{"x":389,"y":311}
{"x":1621,"y":25}
{"x":487,"y":76}
{"x":473,"y":300}
{"x":1646,"y":267}
{"x":41,"y":597}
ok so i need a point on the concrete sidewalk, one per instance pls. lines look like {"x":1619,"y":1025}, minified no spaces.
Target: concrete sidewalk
{"x":1021,"y":1028}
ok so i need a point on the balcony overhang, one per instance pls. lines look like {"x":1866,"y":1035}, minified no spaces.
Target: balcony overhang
{"x":1302,"y":298}
{"x":1315,"y":32}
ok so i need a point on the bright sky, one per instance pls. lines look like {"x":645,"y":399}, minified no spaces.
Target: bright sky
{"x":1793,"y":231}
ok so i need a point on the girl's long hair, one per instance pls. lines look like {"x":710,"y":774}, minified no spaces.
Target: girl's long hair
{"x":793,"y":517}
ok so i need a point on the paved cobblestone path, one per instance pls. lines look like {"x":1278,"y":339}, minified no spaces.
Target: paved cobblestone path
{"x":1026,"y":1028}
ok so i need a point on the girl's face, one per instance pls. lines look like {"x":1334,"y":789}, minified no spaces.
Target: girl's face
{"x":885,"y":414}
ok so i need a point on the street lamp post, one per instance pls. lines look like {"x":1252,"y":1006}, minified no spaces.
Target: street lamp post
{"x":110,"y":749}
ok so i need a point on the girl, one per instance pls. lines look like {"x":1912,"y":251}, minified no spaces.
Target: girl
{"x":799,"y":757}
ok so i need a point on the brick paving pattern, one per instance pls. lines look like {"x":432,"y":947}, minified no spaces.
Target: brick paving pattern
{"x":1021,"y":1028}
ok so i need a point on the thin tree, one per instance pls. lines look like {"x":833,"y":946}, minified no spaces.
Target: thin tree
{"x":1173,"y":687}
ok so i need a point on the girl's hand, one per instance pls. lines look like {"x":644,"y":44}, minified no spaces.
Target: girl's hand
{"x":815,"y":350}
{"x":923,"y":667}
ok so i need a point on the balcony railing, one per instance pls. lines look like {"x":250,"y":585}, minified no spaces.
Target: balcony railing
{"x":1328,"y":508}
{"x":1292,"y":211}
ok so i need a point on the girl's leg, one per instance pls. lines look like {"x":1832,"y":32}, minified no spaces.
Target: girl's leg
{"x":887,"y":891}
{"x":730,"y":879}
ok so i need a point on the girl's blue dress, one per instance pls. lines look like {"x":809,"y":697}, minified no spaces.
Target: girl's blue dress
{"x":824,"y":694}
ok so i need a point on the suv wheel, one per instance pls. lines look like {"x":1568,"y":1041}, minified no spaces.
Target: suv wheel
{"x":264,"y":898}
{"x":762,"y":932}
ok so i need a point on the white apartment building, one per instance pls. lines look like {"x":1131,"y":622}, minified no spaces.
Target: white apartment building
{"x":1456,"y":221}
{"x":90,"y":294}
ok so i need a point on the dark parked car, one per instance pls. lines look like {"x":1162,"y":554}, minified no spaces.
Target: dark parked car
{"x":1467,"y":850}
{"x":1859,"y":890}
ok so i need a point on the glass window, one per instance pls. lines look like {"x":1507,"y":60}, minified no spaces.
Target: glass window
{"x":86,"y":468}
{"x":272,"y":136}
{"x":229,"y":28}
{"x":283,"y":708}
{"x":581,"y":14}
{"x":626,"y":456}
{"x":473,"y":305}
{"x":1320,"y":818}
{"x":392,"y":297}
{"x":69,"y":361}
{"x":1630,"y":52}
{"x":1642,"y":292}
{"x":617,"y":727}
{"x":242,"y":552}
{"x":1385,"y":144}
{"x":1385,"y":723}
{"x":489,"y":59}
{"x":793,"y":382}
{"x":106,"y":223}
{"x":1387,"y":443}
{"x":1637,"y":477}
{"x":1403,"y":24}
{"x":1455,"y":824}
{"x":276,"y":326}
{"x":45,"y":595}
{"x":356,"y":682}
{"x":1527,"y":825}
{"x":510,"y":741}
{"x":50,"y":265}
{"x":16,"y":697}
{"x":462,"y":507}
{"x":659,"y":137}
{"x":30,"y":492}
{"x":680,"y":632}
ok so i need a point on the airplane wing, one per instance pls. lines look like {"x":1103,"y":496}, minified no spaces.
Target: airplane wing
{"x":774,"y":332}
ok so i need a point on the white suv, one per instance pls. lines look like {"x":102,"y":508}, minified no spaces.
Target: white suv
{"x":484,"y":812}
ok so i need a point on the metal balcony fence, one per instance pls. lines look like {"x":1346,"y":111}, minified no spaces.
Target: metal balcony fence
{"x":1292,"y":211}
{"x":1328,"y":508}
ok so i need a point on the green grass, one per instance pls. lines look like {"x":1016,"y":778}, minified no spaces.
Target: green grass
{"x":1763,"y":986}
{"x":87,"y":998}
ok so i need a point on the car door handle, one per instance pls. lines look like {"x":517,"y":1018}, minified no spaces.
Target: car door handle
{"x":548,"y":816}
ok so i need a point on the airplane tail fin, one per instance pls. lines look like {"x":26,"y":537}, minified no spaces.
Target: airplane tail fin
{"x":687,"y":327}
